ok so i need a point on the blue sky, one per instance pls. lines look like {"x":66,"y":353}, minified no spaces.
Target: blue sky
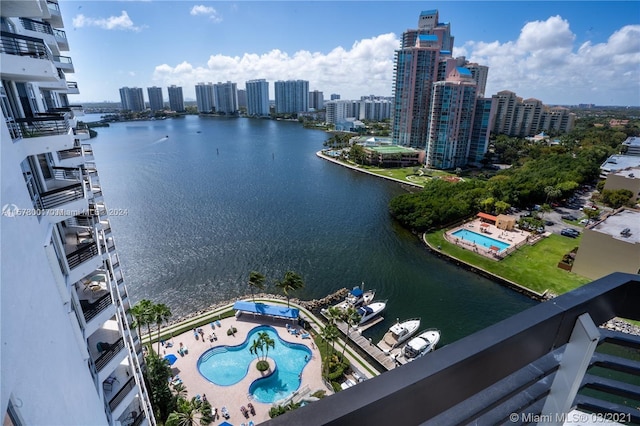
{"x":559,"y":52}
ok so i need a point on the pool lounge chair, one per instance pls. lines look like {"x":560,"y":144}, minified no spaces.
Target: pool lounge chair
{"x":306,"y":335}
{"x":244,"y":411}
{"x":251,"y":409}
{"x":225,"y":412}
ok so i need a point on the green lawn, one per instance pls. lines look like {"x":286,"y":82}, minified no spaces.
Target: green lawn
{"x":534,"y":267}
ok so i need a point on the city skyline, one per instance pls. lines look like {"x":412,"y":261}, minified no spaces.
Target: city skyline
{"x":555,"y":52}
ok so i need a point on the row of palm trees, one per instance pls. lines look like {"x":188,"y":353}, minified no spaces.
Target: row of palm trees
{"x":349,"y":316}
{"x":291,"y":281}
{"x":146,"y":313}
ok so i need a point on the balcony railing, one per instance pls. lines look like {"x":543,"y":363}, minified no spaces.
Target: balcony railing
{"x":59,"y":196}
{"x":82,"y":254}
{"x":124,"y":391}
{"x":63,"y":59}
{"x":41,"y":27}
{"x":108,"y":355}
{"x":66,"y":173}
{"x":16,"y":44}
{"x":59,"y":33}
{"x":91,"y":310}
{"x":72,"y":85}
{"x":69,"y":153}
{"x":53,"y":6}
{"x":506,"y":372}
{"x":47,"y":125}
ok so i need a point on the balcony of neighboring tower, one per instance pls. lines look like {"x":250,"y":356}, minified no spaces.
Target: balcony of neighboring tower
{"x":64,"y":63}
{"x":53,"y":15}
{"x":21,"y":8}
{"x":26,"y":58}
{"x":72,"y":88}
{"x":121,"y":391}
{"x":107,"y":348}
{"x":56,"y":39}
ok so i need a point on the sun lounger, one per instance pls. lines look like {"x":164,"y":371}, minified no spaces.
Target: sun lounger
{"x":244,"y":411}
{"x":225,"y":412}
{"x":306,"y":336}
{"x":253,"y":410}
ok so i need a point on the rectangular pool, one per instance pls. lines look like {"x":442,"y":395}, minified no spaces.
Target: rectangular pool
{"x":479,"y":239}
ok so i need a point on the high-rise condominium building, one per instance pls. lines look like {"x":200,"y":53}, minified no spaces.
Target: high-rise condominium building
{"x":226,"y":97}
{"x":517,"y":117}
{"x":257,"y":97}
{"x":292,"y":96}
{"x":69,"y":355}
{"x":338,"y":111}
{"x":316,"y":100}
{"x":335,"y":96}
{"x":176,"y":101}
{"x":429,"y":85}
{"x":205,"y":97}
{"x":156,"y":102}
{"x":132,"y":99}
{"x":242,"y":99}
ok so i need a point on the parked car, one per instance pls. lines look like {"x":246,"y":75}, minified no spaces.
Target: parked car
{"x":569,"y":217}
{"x":548,"y":223}
{"x":568,"y":232}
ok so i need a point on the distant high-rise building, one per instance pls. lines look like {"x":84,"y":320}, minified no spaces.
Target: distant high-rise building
{"x":435,"y":95}
{"x":226,"y":97}
{"x":292,"y":96}
{"x":132,"y":99}
{"x":451,"y":119}
{"x":242,"y":99}
{"x":316,"y":100}
{"x":205,"y":97}
{"x":374,"y":110}
{"x":335,"y":96}
{"x":156,"y":102}
{"x":257,"y":97}
{"x":522,"y":118}
{"x":176,"y":101}
{"x":481,"y":130}
{"x":338,"y":111}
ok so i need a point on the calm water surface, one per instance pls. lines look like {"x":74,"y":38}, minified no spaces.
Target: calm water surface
{"x":210,"y":199}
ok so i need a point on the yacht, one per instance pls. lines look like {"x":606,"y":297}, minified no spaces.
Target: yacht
{"x":358,"y":296}
{"x":418,"y":346}
{"x":399,"y":333}
{"x":368,"y":312}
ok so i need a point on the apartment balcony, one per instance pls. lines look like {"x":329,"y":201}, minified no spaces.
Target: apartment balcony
{"x":44,"y":31}
{"x":133,"y":414}
{"x":53,"y":15}
{"x":21,"y":8}
{"x":551,"y":358}
{"x":72,"y":88}
{"x":26,"y":58}
{"x":106,"y":349}
{"x":44,"y":133}
{"x":64,"y":63}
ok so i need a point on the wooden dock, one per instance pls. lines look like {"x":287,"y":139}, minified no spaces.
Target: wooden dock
{"x":369,"y":347}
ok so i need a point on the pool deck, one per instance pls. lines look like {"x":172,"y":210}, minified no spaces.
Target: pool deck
{"x":235,"y":396}
{"x":513,"y":238}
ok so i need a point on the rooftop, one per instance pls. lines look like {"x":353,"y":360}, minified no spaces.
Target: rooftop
{"x":619,"y":162}
{"x":394,"y":149}
{"x":615,"y":224}
{"x":632,"y":141}
{"x":631,"y":173}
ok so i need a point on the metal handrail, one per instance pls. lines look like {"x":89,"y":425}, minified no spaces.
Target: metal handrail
{"x":17,"y":44}
{"x":81,"y":255}
{"x":33,"y":25}
{"x":108,"y":355}
{"x":124,"y":391}
{"x":43,"y":125}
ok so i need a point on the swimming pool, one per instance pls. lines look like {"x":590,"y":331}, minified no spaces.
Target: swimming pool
{"x":479,"y":239}
{"x":227,"y":365}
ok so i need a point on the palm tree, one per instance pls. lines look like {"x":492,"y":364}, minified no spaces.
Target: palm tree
{"x":258,"y":344}
{"x":161,"y":313}
{"x":268,"y":342}
{"x":256,"y":280}
{"x":141,"y":313}
{"x":291,"y":282}
{"x":552,"y":192}
{"x":334,"y":314}
{"x":190,"y":413}
{"x":352,"y":318}
{"x":329,"y":334}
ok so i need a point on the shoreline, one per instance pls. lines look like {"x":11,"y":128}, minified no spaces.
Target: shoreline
{"x":358,"y":169}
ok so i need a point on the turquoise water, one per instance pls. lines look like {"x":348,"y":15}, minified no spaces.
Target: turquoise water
{"x":227,"y":365}
{"x":480,"y":239}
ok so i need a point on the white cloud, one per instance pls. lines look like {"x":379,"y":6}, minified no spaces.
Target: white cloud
{"x":365,"y":68}
{"x":206,"y":10}
{"x":545,"y":64}
{"x":122,"y":22}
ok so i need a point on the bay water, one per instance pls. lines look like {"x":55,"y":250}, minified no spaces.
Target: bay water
{"x":204,"y":201}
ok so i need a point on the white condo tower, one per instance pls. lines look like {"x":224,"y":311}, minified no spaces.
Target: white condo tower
{"x":68,"y":354}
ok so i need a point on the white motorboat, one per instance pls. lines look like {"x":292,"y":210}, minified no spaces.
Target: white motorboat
{"x":358,"y":296}
{"x":399,"y":333}
{"x":368,"y":312}
{"x":424,"y":343}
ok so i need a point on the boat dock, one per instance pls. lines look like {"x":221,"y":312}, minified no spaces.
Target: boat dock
{"x":364,"y":343}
